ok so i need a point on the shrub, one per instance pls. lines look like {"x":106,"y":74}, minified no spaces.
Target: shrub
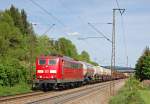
{"x":129,"y":94}
{"x":11,"y":73}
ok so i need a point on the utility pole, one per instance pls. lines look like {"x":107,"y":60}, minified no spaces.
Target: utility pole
{"x":113,"y":56}
{"x":31,"y":47}
{"x":127,"y":61}
{"x":31,"y":57}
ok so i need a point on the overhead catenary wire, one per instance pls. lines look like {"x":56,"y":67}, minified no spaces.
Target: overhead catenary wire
{"x":70,"y":11}
{"x":98,"y":31}
{"x":82,"y":20}
{"x":64,"y":6}
{"x":123,"y":30}
{"x":50,"y":28}
{"x":118,"y":6}
{"x":52,"y":16}
{"x":124,"y":39}
{"x":65,"y":31}
{"x":78,"y":17}
{"x":121,"y":12}
{"x":47,"y":12}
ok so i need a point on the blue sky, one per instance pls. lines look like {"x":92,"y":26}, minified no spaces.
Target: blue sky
{"x":74,"y":16}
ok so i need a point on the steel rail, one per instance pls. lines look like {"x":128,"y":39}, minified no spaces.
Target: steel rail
{"x":82,"y":92}
{"x":19,"y":96}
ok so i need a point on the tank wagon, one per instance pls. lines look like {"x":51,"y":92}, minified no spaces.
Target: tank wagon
{"x":88,"y":71}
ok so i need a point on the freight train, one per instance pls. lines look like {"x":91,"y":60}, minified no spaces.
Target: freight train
{"x":55,"y":72}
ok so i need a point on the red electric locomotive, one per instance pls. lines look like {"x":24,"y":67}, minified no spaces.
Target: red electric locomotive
{"x":57,"y":71}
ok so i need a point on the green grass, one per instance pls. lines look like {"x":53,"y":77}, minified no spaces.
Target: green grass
{"x":131,"y":93}
{"x":145,"y":95}
{"x":18,"y":89}
{"x":127,"y":97}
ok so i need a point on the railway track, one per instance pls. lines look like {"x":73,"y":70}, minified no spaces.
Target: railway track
{"x":66,"y":97}
{"x":19,"y":96}
{"x":54,"y":97}
{"x":62,"y":98}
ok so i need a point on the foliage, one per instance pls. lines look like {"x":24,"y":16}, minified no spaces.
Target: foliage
{"x":143,"y":66}
{"x":14,"y":48}
{"x":94,"y":63}
{"x":84,"y":56}
{"x":145,"y":95}
{"x":43,"y":45}
{"x":20,"y":20}
{"x":11,"y":72}
{"x":129,"y":94}
{"x":66,"y":47}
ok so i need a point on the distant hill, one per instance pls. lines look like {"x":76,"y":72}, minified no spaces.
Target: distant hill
{"x":121,"y":69}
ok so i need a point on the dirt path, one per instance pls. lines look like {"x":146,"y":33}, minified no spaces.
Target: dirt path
{"x":101,"y":96}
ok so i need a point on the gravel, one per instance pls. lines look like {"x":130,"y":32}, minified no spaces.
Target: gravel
{"x":101,"y":96}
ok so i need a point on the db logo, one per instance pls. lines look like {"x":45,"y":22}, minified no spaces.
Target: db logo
{"x":46,"y":71}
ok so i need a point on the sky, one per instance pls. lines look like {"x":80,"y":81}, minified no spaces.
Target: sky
{"x":71,"y":18}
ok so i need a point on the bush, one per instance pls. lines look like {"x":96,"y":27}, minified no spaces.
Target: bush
{"x":11,"y":73}
{"x":129,"y":94}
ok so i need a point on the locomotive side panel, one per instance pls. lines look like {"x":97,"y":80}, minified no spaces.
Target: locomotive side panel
{"x":72,"y":71}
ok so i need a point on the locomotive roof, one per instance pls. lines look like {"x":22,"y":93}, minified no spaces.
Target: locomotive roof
{"x":63,"y":57}
{"x":48,"y":56}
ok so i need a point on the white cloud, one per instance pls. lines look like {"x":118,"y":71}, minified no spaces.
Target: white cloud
{"x":73,"y":33}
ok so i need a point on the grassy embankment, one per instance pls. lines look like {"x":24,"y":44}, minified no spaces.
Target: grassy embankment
{"x":132,"y":93}
{"x":145,"y":95}
{"x":17,"y":89}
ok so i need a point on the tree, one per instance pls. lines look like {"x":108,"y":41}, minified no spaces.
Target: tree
{"x":43,"y":45}
{"x":20,"y":20}
{"x":15,"y":47}
{"x":143,"y":65}
{"x":16,"y":16}
{"x":66,"y":47}
{"x":84,"y":56}
{"x":94,"y":63}
{"x":9,"y":34}
{"x":27,"y":27}
{"x":25,"y":23}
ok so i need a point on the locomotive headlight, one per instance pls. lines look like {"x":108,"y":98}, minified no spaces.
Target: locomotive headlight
{"x":40,"y":71}
{"x":53,"y":71}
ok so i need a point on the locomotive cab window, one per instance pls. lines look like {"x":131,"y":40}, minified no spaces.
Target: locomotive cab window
{"x":51,"y":62}
{"x":42,"y":61}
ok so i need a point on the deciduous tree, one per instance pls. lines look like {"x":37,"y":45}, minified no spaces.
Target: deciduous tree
{"x":143,"y":65}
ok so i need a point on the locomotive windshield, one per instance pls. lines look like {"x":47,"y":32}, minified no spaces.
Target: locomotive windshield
{"x":52,"y":62}
{"x":42,"y":61}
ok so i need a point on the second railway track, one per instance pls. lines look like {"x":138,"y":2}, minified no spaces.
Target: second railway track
{"x":19,"y":96}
